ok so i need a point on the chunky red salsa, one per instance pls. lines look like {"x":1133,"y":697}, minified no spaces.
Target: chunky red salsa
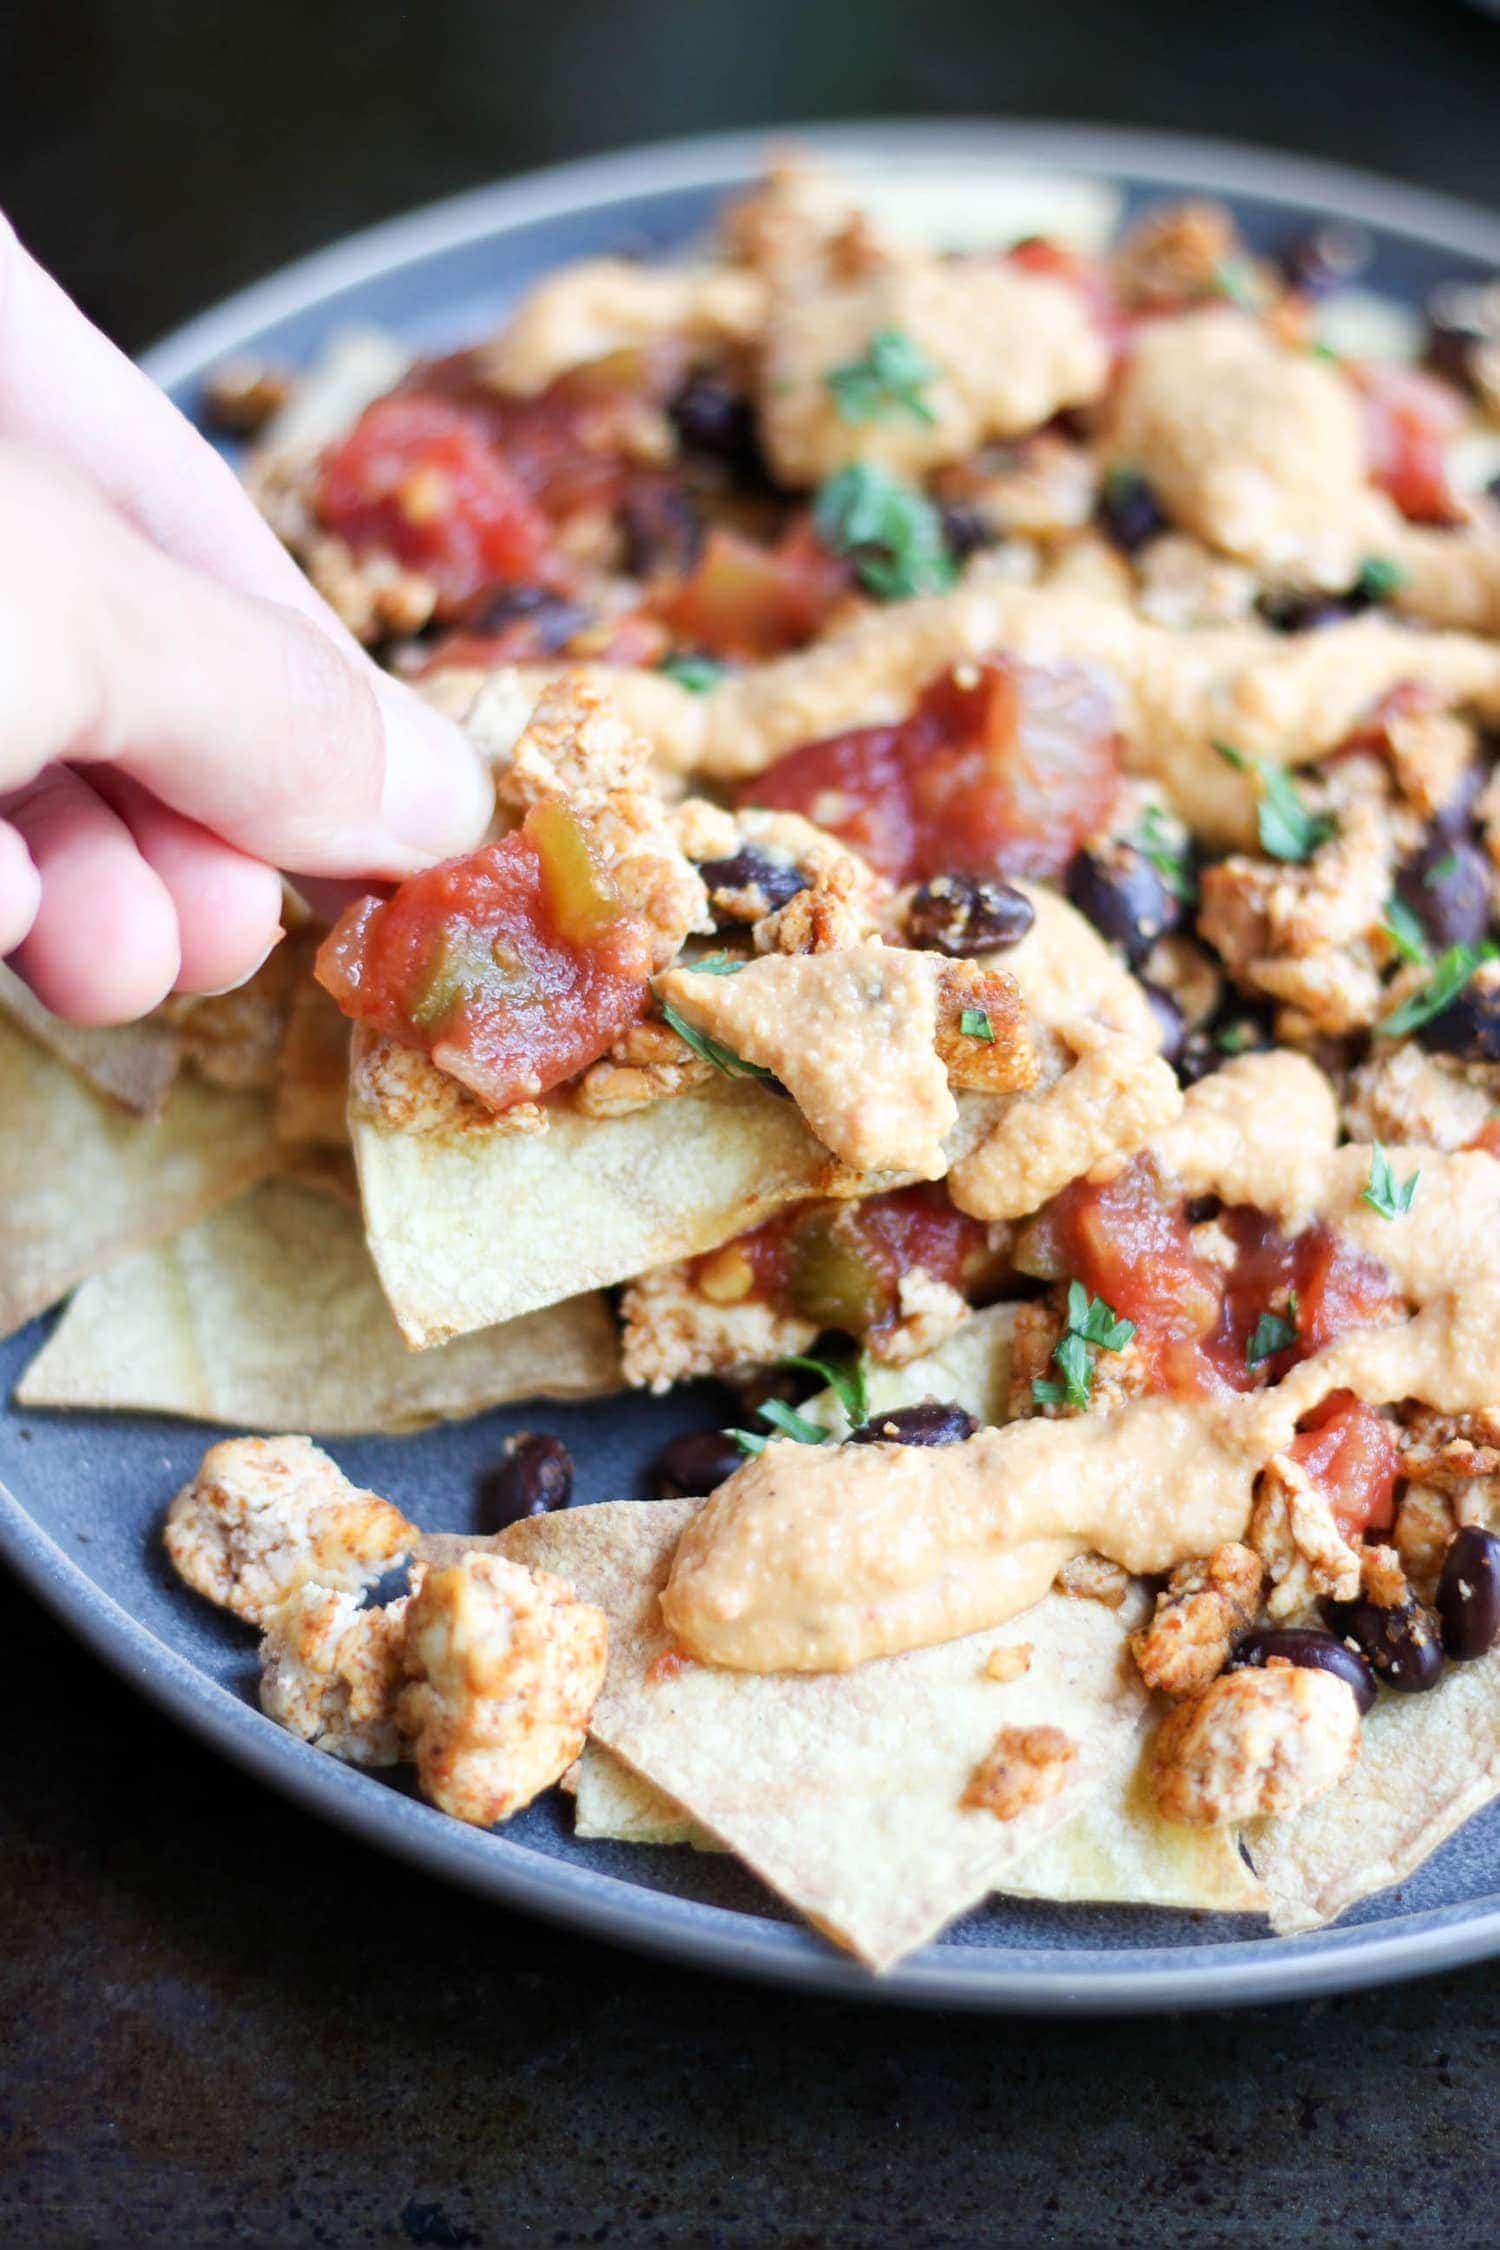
{"x":1200,"y":1323}
{"x":1409,"y":419}
{"x":1003,"y":769}
{"x":1348,"y":1450}
{"x":841,"y":1264}
{"x":749,"y":601}
{"x":514,"y":968}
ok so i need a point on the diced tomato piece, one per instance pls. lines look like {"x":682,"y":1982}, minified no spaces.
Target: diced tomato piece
{"x":1410,"y":418}
{"x":418,"y":479}
{"x":1487,"y":1138}
{"x":1338,"y":1289}
{"x":1002,"y":769}
{"x":514,"y":968}
{"x":747,"y":601}
{"x":1349,"y":1452}
{"x":631,"y":639}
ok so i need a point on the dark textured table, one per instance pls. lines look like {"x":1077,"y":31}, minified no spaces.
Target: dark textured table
{"x":223,"y":2022}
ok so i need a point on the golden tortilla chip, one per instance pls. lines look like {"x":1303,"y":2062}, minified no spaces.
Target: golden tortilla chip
{"x":842,"y":1790}
{"x":134,"y":1064}
{"x":1426,"y":1764}
{"x":614,"y":1804}
{"x":82,"y":1183}
{"x":268,"y":1315}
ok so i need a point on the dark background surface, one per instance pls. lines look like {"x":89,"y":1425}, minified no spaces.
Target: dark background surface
{"x":220,"y":2022}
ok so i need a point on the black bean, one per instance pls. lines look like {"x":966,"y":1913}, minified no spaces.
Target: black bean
{"x":1170,"y":1019}
{"x":1288,"y":612}
{"x":694,"y":1465}
{"x":771,"y":880}
{"x":1314,"y":1650}
{"x":1455,"y":815}
{"x":932,"y":1423}
{"x":713,"y":418}
{"x":1401,"y":1644}
{"x":961,"y":916}
{"x":663,"y":528}
{"x":1128,"y":511}
{"x":1325,"y":258}
{"x":1468,"y":1594}
{"x":1463,"y":320}
{"x":966,"y":530}
{"x":1447,"y":886}
{"x":534,"y":1475}
{"x":552,"y":620}
{"x":1469,"y":1026}
{"x":1119,"y":891}
{"x":791,"y":1385}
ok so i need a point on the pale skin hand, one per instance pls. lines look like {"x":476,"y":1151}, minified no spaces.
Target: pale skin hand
{"x":180,"y":715}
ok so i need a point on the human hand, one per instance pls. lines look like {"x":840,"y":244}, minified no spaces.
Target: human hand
{"x":180,"y":714}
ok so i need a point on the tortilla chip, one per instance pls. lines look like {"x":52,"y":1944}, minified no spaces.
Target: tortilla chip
{"x":134,"y":1064}
{"x":82,"y":1183}
{"x":1426,"y":1764}
{"x":268,"y":1316}
{"x":841,"y":1790}
{"x":616,"y":1805}
{"x":971,"y":1368}
{"x":472,"y":1227}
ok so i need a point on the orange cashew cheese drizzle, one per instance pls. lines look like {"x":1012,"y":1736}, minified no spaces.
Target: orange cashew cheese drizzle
{"x":818,"y":1559}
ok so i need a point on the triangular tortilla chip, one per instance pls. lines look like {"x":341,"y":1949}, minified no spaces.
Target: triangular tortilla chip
{"x":1426,"y":1764}
{"x":81,"y":1182}
{"x":841,"y":1790}
{"x":268,"y":1315}
{"x":134,"y":1064}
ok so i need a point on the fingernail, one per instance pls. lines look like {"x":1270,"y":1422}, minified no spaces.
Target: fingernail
{"x":217,"y":991}
{"x":437,"y":798}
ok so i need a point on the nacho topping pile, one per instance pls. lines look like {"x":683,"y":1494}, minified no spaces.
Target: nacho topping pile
{"x":986,"y":941}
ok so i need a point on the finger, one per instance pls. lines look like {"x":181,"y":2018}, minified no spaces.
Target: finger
{"x":65,"y":389}
{"x":103,"y":946}
{"x":232,"y":710}
{"x":20,"y":889}
{"x":228,"y":906}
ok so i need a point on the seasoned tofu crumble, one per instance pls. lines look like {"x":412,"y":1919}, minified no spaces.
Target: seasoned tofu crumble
{"x":987,"y":944}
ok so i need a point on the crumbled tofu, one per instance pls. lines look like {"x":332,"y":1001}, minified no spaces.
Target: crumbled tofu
{"x":674,"y":1330}
{"x":330,"y":1672}
{"x":1296,"y":1535}
{"x":1007,"y":350}
{"x":503,"y":1668}
{"x":1382,"y":1579}
{"x":1257,"y":1742}
{"x":1023,"y":1766}
{"x":930,"y":1310}
{"x":995,"y":1054}
{"x":1402,"y":1095}
{"x":648,"y":1063}
{"x":836,"y":909}
{"x":1181,"y":582}
{"x":264,"y":1515}
{"x":1009,"y":1662}
{"x":1202,"y":1608}
{"x":1425,"y":1525}
{"x":1172,"y":253}
{"x":603,"y":305}
{"x":1094,"y":1578}
{"x":407,"y":1092}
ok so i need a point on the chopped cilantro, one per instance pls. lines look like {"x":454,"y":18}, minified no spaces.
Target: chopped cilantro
{"x":1451,"y":973}
{"x":1440,"y":871}
{"x":890,"y":532}
{"x":696,"y":673}
{"x":783,"y":1418}
{"x":1092,"y":1326}
{"x":1270,"y":1335}
{"x":888,"y":381}
{"x":1235,"y":1038}
{"x":1234,"y":279}
{"x":846,"y":1379}
{"x":716,"y":965}
{"x":1167,"y":847}
{"x":1287,"y":829}
{"x":1385,"y":1193}
{"x":710,"y":1050}
{"x":750,"y":1442}
{"x":1404,"y":930}
{"x":1380,"y":576}
{"x":975,"y":1024}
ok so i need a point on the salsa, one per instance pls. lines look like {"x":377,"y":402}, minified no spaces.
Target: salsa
{"x":513,"y":968}
{"x":1349,"y":1452}
{"x":1199,"y":1323}
{"x":748,"y":601}
{"x":1002,"y":769}
{"x":1410,"y":417}
{"x":841,"y":1264}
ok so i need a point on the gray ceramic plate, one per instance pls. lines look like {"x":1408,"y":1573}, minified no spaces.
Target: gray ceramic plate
{"x":85,"y":1492}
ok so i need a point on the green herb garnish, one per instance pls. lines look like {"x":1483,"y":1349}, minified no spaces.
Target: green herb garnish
{"x":696,"y":673}
{"x":1451,"y":973}
{"x":890,"y":532}
{"x":846,"y":1379}
{"x":1170,"y":852}
{"x":889,"y":380}
{"x":1287,"y":829}
{"x":1234,"y":279}
{"x":1092,"y":1326}
{"x":783,"y":1418}
{"x":1385,"y":1193}
{"x":975,"y":1024}
{"x":1270,"y":1335}
{"x":1235,"y":1038}
{"x":710,"y":1050}
{"x":1439,"y":873}
{"x":716,"y":965}
{"x":1380,"y":576}
{"x":1404,"y":930}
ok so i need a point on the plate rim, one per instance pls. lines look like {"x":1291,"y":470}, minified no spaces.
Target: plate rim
{"x":1049,"y":1980}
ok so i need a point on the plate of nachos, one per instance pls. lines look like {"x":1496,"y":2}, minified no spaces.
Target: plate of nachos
{"x":866,"y":1349}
